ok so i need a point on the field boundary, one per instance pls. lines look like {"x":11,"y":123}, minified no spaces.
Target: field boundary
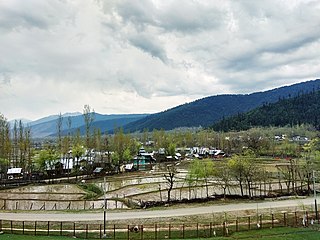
{"x":220,"y":227}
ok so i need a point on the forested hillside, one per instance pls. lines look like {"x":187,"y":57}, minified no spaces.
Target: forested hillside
{"x":302,"y":109}
{"x":204,"y":112}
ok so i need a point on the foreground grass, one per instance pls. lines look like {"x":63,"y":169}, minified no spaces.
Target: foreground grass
{"x":278,"y":234}
{"x":284,"y":233}
{"x":29,"y":237}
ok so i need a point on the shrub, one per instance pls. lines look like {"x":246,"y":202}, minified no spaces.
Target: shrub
{"x":92,"y":190}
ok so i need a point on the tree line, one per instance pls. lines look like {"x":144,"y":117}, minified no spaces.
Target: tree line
{"x":15,"y":145}
{"x":18,"y":149}
{"x":246,"y":174}
{"x":301,"y":109}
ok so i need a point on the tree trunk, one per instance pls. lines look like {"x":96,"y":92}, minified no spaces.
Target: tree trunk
{"x":207,"y":189}
{"x":169,"y":194}
{"x":249,"y":189}
{"x":241,"y":188}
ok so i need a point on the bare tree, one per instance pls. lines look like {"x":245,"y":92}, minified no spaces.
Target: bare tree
{"x":15,"y":145}
{"x":59,"y":130}
{"x":69,"y":122}
{"x":5,"y":145}
{"x":21,"y":145}
{"x":88,"y":115}
{"x":170,"y":179}
{"x":28,"y":149}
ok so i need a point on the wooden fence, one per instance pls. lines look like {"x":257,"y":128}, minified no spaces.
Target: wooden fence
{"x":25,"y":204}
{"x":222,"y":227}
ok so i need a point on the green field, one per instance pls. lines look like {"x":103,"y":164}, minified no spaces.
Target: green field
{"x":29,"y":237}
{"x":264,"y":234}
{"x":278,"y":234}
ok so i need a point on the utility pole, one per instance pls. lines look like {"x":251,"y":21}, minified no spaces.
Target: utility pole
{"x":104,"y":208}
{"x":315,"y":194}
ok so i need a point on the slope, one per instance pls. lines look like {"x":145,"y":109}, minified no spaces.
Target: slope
{"x":105,"y":126}
{"x":52,"y":118}
{"x":302,"y":109}
{"x":49,"y":128}
{"x":204,"y":112}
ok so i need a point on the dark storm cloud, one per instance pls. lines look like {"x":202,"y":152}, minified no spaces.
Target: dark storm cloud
{"x":153,"y":54}
{"x":149,"y":45}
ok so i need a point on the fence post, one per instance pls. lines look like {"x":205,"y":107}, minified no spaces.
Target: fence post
{"x":11,"y":226}
{"x":48,"y":228}
{"x":260,"y":220}
{"x":155,"y":232}
{"x":237,"y":225}
{"x":114,"y":231}
{"x":182,"y":230}
{"x":284,"y":219}
{"x":23,"y":227}
{"x":169,"y":230}
{"x":0,"y":225}
{"x":86,"y":231}
{"x":141,"y":231}
{"x":100,"y":229}
{"x":35,"y":228}
{"x":74,"y":229}
{"x":197,"y":230}
{"x":295,"y":219}
{"x":272,"y":220}
{"x":225,"y":232}
{"x":223,"y":229}
{"x":60,"y":228}
{"x":210,"y":234}
{"x":249,"y":227}
{"x":128,"y":232}
{"x":307,"y":218}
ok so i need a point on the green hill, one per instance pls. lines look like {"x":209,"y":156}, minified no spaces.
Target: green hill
{"x":301,"y":109}
{"x":204,"y":112}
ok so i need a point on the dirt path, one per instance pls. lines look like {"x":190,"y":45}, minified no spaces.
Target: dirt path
{"x":142,"y":214}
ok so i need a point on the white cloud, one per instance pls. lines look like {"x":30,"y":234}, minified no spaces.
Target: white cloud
{"x":147,"y":56}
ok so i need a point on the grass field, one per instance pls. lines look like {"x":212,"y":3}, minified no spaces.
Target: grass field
{"x":265,"y":234}
{"x":29,"y":237}
{"x":278,"y":234}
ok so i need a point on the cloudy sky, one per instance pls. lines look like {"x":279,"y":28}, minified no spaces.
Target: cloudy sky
{"x":145,"y":56}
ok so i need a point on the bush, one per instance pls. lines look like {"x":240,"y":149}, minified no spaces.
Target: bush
{"x":92,"y":190}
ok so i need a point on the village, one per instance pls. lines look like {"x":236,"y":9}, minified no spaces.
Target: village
{"x":98,"y":164}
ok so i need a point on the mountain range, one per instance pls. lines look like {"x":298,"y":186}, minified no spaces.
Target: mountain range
{"x":47,"y":126}
{"x":203,"y":112}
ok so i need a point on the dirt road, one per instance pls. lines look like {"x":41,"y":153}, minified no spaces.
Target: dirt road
{"x":139,"y":214}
